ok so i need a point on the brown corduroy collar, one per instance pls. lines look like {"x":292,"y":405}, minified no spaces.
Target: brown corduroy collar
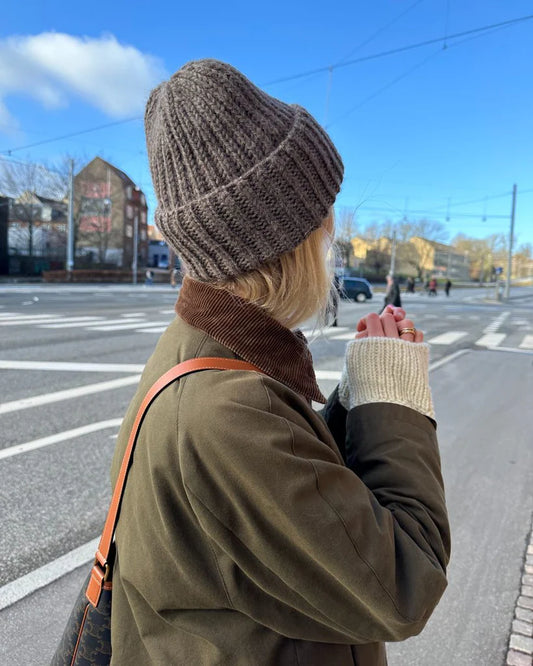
{"x":252,"y":334}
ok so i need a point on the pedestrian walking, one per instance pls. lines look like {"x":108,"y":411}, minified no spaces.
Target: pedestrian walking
{"x":447,"y":287}
{"x":432,"y":285}
{"x":410,"y":285}
{"x":253,"y":530}
{"x":392,"y":293}
{"x":149,"y":277}
{"x":335,"y":297}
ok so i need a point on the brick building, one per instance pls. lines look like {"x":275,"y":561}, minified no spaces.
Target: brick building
{"x":108,"y":209}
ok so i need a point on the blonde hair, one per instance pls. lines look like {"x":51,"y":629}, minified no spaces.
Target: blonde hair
{"x":296,"y":285}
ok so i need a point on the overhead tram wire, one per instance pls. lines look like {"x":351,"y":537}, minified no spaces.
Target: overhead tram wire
{"x":70,"y":135}
{"x":294,"y":77}
{"x":383,"y":88}
{"x":400,"y":49}
{"x":378,"y":32}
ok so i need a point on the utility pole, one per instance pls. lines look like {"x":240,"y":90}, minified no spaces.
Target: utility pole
{"x":70,"y":229}
{"x":510,"y":255}
{"x":393,"y":253}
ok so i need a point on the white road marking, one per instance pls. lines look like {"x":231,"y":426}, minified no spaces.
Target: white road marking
{"x":496,"y":323}
{"x":447,"y":359}
{"x":344,"y":336}
{"x":124,"y":327}
{"x":527,"y":342}
{"x":328,"y":374}
{"x":107,"y":322}
{"x":336,"y":374}
{"x":167,"y":311}
{"x":491,"y":339}
{"x":46,"y":398}
{"x":63,"y":366}
{"x":35,"y":580}
{"x":447,"y":338}
{"x":318,"y":333}
{"x":134,"y":314}
{"x":431,"y":316}
{"x":22,"y":321}
{"x":58,"y":437}
{"x":72,"y":322}
{"x":511,"y":349}
{"x":160,"y":329}
{"x":454,"y":317}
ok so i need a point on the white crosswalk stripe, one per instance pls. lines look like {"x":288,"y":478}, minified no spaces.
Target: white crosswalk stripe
{"x":447,"y":338}
{"x":527,"y":342}
{"x":491,"y":339}
{"x":23,"y":320}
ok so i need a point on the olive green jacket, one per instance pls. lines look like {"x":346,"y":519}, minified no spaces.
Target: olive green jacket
{"x":245,"y":540}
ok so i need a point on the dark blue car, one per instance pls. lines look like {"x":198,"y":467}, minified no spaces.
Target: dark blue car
{"x":356,"y":289}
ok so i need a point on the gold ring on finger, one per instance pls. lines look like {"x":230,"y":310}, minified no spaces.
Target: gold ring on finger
{"x":407,"y":330}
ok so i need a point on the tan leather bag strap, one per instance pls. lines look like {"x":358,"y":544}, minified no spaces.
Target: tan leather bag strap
{"x":101,"y":568}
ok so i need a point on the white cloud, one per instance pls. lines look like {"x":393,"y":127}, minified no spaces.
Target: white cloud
{"x":55,"y":67}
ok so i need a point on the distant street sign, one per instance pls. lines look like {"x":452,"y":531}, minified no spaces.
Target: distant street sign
{"x":499,"y":270}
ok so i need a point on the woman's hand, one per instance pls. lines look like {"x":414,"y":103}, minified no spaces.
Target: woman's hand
{"x":391,"y":323}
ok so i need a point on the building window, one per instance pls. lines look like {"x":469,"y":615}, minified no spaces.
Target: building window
{"x":129,"y":231}
{"x":129,"y":212}
{"x":129,"y":192}
{"x":143,"y":216}
{"x":143,"y":234}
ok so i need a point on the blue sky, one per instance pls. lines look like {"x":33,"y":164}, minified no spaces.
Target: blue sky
{"x":422,"y":132}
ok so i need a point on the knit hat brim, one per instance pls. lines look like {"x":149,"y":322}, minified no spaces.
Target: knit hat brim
{"x":304,"y":167}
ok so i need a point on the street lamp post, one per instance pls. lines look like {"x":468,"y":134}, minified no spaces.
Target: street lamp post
{"x":70,"y":228}
{"x":135,"y":246}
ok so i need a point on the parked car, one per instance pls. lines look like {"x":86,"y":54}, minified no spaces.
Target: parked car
{"x":356,"y":289}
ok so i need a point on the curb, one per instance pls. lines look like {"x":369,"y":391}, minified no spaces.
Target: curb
{"x":520,"y":651}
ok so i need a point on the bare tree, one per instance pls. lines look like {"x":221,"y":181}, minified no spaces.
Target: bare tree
{"x":345,"y":230}
{"x":21,"y":181}
{"x":484,"y":254}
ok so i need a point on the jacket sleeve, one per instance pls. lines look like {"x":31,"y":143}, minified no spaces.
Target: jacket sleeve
{"x":342,"y":557}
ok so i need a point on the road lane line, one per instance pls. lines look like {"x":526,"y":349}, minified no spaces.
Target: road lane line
{"x":18,"y":315}
{"x":117,"y":321}
{"x":527,"y":342}
{"x":35,"y":580}
{"x":71,"y":322}
{"x":127,"y":326}
{"x":328,"y":374}
{"x":514,"y":350}
{"x":58,"y":437}
{"x":22,"y":321}
{"x":447,"y":359}
{"x":46,"y":398}
{"x":491,"y":339}
{"x":66,"y":366}
{"x":447,"y":338}
{"x":336,"y":374}
{"x":344,"y":336}
{"x":160,"y":329}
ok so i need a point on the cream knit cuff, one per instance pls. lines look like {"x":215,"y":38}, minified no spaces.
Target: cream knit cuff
{"x":386,"y":370}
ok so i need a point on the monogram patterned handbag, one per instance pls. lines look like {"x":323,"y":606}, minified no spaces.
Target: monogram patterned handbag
{"x":87,"y":636}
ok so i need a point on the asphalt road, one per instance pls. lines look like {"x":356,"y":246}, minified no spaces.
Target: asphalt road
{"x":91,"y":343}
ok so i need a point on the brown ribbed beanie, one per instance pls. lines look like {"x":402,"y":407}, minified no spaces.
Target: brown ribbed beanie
{"x":240,"y":176}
